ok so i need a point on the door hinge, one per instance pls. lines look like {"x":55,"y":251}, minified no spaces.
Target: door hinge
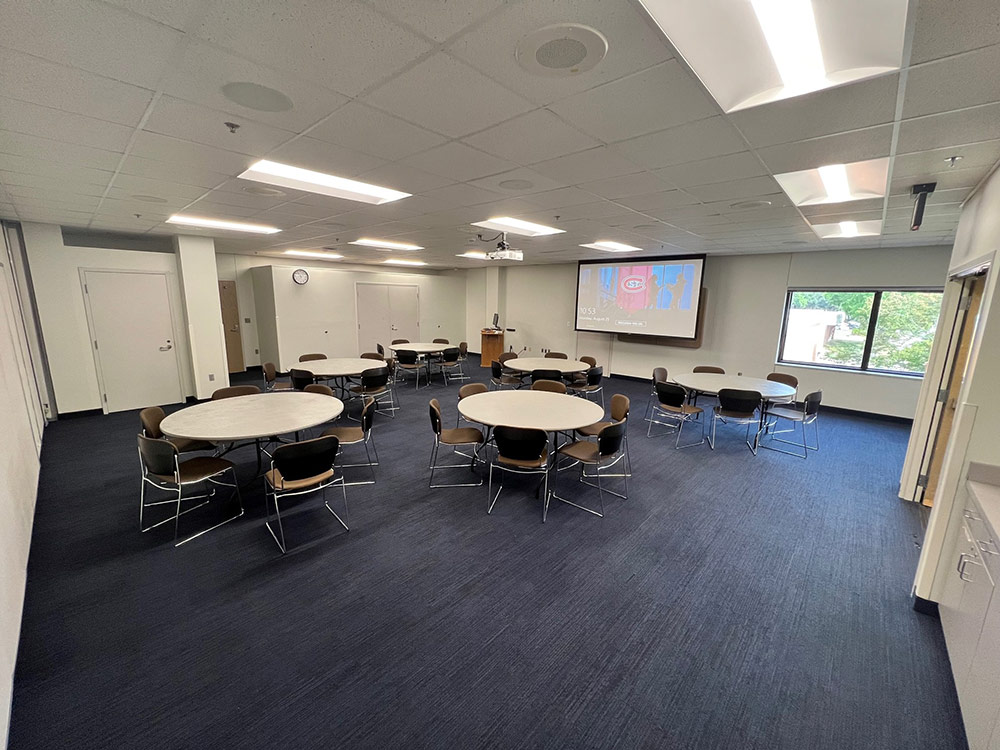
{"x":105,"y":398}
{"x":85,"y":289}
{"x":95,"y":345}
{"x":942,"y":395}
{"x":965,"y":303}
{"x":922,"y":481}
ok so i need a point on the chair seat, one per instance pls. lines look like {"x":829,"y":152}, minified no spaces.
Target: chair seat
{"x":368,"y":391}
{"x":185,"y":445}
{"x":278,"y":482}
{"x":682,"y":409}
{"x":586,"y":451}
{"x":416,"y":366}
{"x":510,"y":380}
{"x":526,"y":463}
{"x":346,"y":434}
{"x":793,"y":414}
{"x":585,"y":388}
{"x":198,"y":469}
{"x":592,"y":430}
{"x":462,"y":436}
{"x":735,"y":414}
{"x":281,"y":387}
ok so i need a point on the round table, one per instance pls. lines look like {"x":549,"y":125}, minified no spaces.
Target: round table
{"x":339,"y":368}
{"x":250,"y":417}
{"x":421,"y":347}
{"x":536,"y":410}
{"x":712,"y":383}
{"x":527,"y":364}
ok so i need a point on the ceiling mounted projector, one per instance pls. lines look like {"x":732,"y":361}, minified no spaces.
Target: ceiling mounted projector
{"x":921,"y":192}
{"x":504,"y":251}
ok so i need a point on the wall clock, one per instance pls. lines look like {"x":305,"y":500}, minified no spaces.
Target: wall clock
{"x":300,"y":276}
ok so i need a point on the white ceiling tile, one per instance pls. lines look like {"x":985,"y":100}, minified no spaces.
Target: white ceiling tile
{"x":19,"y":167}
{"x":825,"y":209}
{"x":586,"y":166}
{"x":749,"y":187}
{"x":179,"y":153}
{"x":92,"y":36}
{"x":947,"y":28}
{"x":463,"y":195}
{"x":953,"y":83}
{"x":654,"y":99}
{"x":437,"y":19}
{"x":45,"y":150}
{"x":658,"y":201}
{"x":954,"y":178}
{"x":447,"y":96}
{"x":532,"y":137}
{"x":842,"y":148}
{"x":207,"y":207}
{"x":858,"y":105}
{"x":184,"y":173}
{"x":984,"y":154}
{"x":134,"y":185}
{"x":309,"y":153}
{"x":568,"y":196}
{"x":193,"y":122}
{"x":15,"y":182}
{"x":45,"y":122}
{"x":347,"y":48}
{"x":717,"y":169}
{"x":458,"y":162}
{"x":696,"y":140}
{"x":518,"y":182}
{"x":399,"y":176}
{"x":174,"y":13}
{"x":362,"y":128}
{"x":951,"y":128}
{"x":626,"y":185}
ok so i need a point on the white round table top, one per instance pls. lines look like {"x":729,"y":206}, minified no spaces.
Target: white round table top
{"x":527,"y":364}
{"x":338,"y":368}
{"x":254,"y":416}
{"x":711,"y":382}
{"x":422,"y":347}
{"x":539,"y":410}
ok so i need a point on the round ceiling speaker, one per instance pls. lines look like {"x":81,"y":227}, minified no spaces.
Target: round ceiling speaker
{"x":255,"y":96}
{"x":263,"y":190}
{"x":561,"y":50}
{"x":741,"y":205}
{"x":149,"y":198}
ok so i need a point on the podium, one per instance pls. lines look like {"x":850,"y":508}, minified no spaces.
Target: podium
{"x":492,"y":346}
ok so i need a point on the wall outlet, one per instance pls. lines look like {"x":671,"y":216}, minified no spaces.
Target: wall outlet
{"x":211,"y":377}
{"x":256,"y":351}
{"x":246,"y":320}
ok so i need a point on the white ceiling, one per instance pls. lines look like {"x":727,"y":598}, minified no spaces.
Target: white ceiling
{"x":105,"y":101}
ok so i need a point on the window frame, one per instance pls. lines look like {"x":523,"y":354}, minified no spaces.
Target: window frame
{"x":869,"y":336}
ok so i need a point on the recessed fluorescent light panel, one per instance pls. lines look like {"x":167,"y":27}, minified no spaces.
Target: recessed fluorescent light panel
{"x":313,"y":254}
{"x":611,"y":247}
{"x":476,"y":254}
{"x":847,"y":229}
{"x":517,"y":226}
{"x":233,"y":226}
{"x":752,"y":53}
{"x":404,"y":262}
{"x":385,"y":244}
{"x":836,"y":183}
{"x":285,"y":175}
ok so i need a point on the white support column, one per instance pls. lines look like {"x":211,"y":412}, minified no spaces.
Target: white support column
{"x":199,"y":278}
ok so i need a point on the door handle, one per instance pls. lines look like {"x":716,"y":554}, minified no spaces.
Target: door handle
{"x":234,"y":328}
{"x":166,"y":348}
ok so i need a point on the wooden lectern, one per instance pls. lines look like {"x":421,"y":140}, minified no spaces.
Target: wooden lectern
{"x":492,"y":346}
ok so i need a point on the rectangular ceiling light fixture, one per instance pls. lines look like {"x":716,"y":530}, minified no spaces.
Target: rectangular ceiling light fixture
{"x":517,"y":226}
{"x":752,"y":53}
{"x":285,"y":175}
{"x":847,"y":229}
{"x":313,"y":254}
{"x":404,"y":262}
{"x":385,"y":244}
{"x":234,"y":226}
{"x":836,"y":183}
{"x":476,"y":254}
{"x":611,"y":247}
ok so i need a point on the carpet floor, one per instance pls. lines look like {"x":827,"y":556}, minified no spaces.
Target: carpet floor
{"x":732,"y":601}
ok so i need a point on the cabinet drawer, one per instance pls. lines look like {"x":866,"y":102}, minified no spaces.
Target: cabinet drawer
{"x":982,"y":537}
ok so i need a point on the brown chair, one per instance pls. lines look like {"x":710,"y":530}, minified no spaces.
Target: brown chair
{"x":312,"y":357}
{"x":301,"y":378}
{"x":150,"y":418}
{"x":709,"y":368}
{"x":601,"y":455}
{"x":593,"y":385}
{"x":789,"y":380}
{"x":163,"y":469}
{"x":463,"y":348}
{"x":299,"y":469}
{"x":500,"y":380}
{"x":556,"y":355}
{"x":506,"y":356}
{"x":400,"y":341}
{"x":458,"y":436}
{"x":620,"y":407}
{"x":672,"y":405}
{"x":659,"y":376}
{"x":738,"y":406}
{"x":271,"y":383}
{"x":350,"y":435}
{"x":580,"y":378}
{"x":235,"y":390}
{"x":469,"y":389}
{"x":545,"y":375}
{"x":552,"y":386}
{"x":440,"y":341}
{"x":449,"y":365}
{"x":520,"y":451}
{"x":323,"y":390}
{"x":372,"y":355}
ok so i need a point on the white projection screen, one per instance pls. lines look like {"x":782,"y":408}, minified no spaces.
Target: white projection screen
{"x":646,"y":296}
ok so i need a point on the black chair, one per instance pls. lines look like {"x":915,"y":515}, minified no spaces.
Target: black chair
{"x":659,"y":376}
{"x":672,"y":405}
{"x":449,"y":364}
{"x":408,"y":362}
{"x":299,"y":469}
{"x":602,"y":455}
{"x":808,"y":414}
{"x":375,"y":384}
{"x":350,"y":435}
{"x":499,"y":380}
{"x":520,"y":451}
{"x":545,"y":375}
{"x":738,"y":407}
{"x":593,"y":385}
{"x":454,"y":437}
{"x":301,"y":378}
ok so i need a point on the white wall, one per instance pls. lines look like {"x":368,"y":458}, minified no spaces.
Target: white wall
{"x":199,"y":280}
{"x":55,"y":275}
{"x":476,"y":314}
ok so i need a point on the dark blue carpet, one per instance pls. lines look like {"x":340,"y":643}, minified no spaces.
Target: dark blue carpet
{"x":732,"y":602}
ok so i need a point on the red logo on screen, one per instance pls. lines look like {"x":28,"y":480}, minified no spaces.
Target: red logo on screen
{"x":633,"y":284}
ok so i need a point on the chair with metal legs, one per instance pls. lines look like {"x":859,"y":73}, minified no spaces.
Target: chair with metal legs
{"x":499,"y":380}
{"x":593,"y":385}
{"x":449,"y":365}
{"x":659,"y":376}
{"x":408,"y":362}
{"x":672,"y":405}
{"x":552,"y":386}
{"x":469,"y":389}
{"x":301,"y":378}
{"x":605,"y":453}
{"x":375,"y":384}
{"x":556,"y":355}
{"x":737,"y":406}
{"x":300,"y":469}
{"x":520,"y":451}
{"x":271,"y":382}
{"x":580,"y":378}
{"x":351,"y":435}
{"x":620,"y":407}
{"x":455,"y":437}
{"x":808,"y":414}
{"x":150,"y":418}
{"x":311,"y":357}
{"x":163,"y":469}
{"x":233,"y":391}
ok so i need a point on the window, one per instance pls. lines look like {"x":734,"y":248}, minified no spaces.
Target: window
{"x":881,"y":331}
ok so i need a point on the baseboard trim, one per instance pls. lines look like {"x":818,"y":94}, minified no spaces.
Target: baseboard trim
{"x":925,"y":606}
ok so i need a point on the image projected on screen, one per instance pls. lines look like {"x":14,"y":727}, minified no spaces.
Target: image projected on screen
{"x":656,"y":298}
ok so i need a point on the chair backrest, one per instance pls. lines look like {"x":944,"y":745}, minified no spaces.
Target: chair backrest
{"x":150,"y":418}
{"x":463,"y":348}
{"x":553,"y":386}
{"x":372,"y":355}
{"x":300,"y":378}
{"x":609,"y":440}
{"x":709,"y":368}
{"x":545,"y":375}
{"x":670,"y":394}
{"x":471,"y":389}
{"x":507,"y":355}
{"x":496,"y":370}
{"x":235,"y":390}
{"x":519,"y":443}
{"x":374,"y":378}
{"x":810,"y":405}
{"x":400,"y":341}
{"x":311,"y":357}
{"x":380,"y":349}
{"x":739,"y":401}
{"x":406,"y":357}
{"x":158,"y":456}
{"x":589,"y":360}
{"x":556,"y":355}
{"x":620,"y":405}
{"x":440,"y":341}
{"x":307,"y":458}
{"x":270,"y":372}
{"x":368,"y":415}
{"x":435,"y":412}
{"x":780,"y":377}
{"x":660,"y":375}
{"x":450,"y":354}
{"x":323,"y":390}
{"x":594,"y":375}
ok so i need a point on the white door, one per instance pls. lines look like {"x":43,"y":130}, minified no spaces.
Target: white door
{"x":373,"y":316}
{"x":133,"y":339}
{"x":404,"y":311}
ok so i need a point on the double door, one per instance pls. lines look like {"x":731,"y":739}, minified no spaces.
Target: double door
{"x":387,"y":312}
